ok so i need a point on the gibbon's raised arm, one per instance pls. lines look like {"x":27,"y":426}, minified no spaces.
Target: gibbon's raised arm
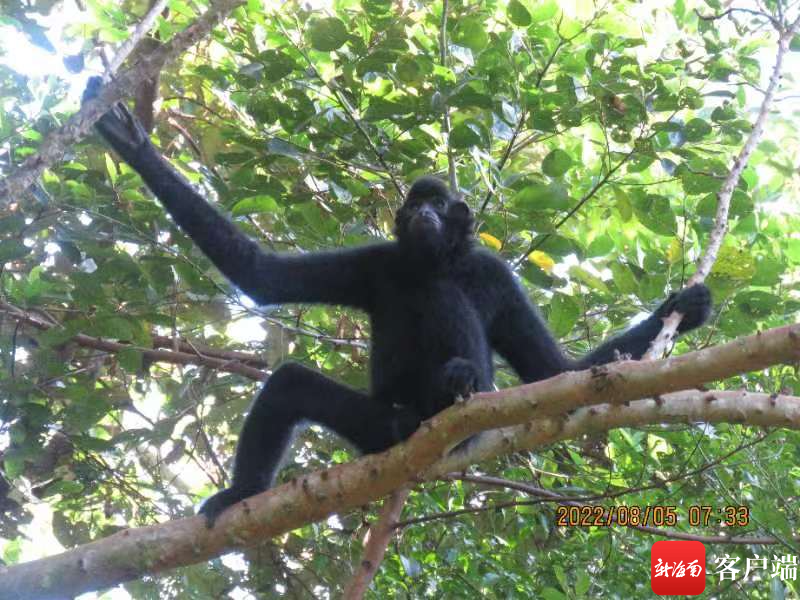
{"x":332,"y":277}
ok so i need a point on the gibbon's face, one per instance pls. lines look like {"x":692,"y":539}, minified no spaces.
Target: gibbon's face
{"x":431,"y":222}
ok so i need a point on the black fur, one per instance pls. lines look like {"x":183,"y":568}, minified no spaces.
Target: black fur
{"x":438,"y":307}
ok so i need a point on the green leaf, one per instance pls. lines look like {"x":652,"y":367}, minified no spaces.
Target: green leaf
{"x":130,"y":359}
{"x":471,"y":33}
{"x":327,"y":34}
{"x":117,"y":328}
{"x":518,"y":14}
{"x":408,"y":69}
{"x":277,"y":64}
{"x":639,"y":162}
{"x":558,"y":245}
{"x":538,"y":196}
{"x":550,"y":593}
{"x":564,"y":313}
{"x":582,"y":583}
{"x":12,"y":223}
{"x":86,"y":410}
{"x":255,"y":204}
{"x":623,"y":278}
{"x":757,"y":304}
{"x":793,"y":250}
{"x":545,"y":11}
{"x":768,"y":271}
{"x":13,"y":465}
{"x":262,"y":108}
{"x":587,"y":278}
{"x":655,"y":213}
{"x":556,"y":163}
{"x":734,"y":263}
{"x":795,"y":44}
{"x":690,"y":98}
{"x":65,"y":487}
{"x":468,"y":133}
{"x":600,"y":246}
{"x":12,"y":250}
{"x":697,"y":129}
{"x":698,"y":180}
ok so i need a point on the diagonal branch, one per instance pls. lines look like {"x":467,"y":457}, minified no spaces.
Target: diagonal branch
{"x":134,"y":553}
{"x":379,"y":535}
{"x":77,"y":126}
{"x":706,"y":262}
{"x":139,"y":32}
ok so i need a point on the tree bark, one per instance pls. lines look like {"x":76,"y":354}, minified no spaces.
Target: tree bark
{"x":149,"y":550}
{"x":52,"y":148}
{"x":378,"y":538}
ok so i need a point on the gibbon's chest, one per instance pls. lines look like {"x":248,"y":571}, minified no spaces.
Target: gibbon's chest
{"x":435,"y":311}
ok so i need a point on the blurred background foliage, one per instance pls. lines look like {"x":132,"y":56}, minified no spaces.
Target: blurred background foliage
{"x":589,"y":139}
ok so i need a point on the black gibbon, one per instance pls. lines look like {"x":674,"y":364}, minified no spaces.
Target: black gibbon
{"x":438,"y":307}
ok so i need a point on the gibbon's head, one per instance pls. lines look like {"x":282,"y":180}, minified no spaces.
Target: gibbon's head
{"x":432,"y":223}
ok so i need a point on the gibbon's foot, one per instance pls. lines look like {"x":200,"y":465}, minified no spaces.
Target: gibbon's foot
{"x":213,"y":506}
{"x":460,"y":377}
{"x":694,"y":303}
{"x":118,"y":126}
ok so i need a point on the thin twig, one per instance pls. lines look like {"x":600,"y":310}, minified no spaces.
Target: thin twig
{"x":226,"y":361}
{"x":141,"y":30}
{"x":662,"y":341}
{"x":451,"y":159}
{"x":536,"y":243}
{"x":345,"y":105}
{"x":730,"y":11}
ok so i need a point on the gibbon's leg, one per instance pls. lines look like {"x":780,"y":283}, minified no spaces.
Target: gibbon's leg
{"x":292,"y":395}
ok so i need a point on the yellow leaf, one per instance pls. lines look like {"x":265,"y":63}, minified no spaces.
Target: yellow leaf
{"x":542,"y":260}
{"x":734,"y":263}
{"x":675,"y":251}
{"x":492,"y":241}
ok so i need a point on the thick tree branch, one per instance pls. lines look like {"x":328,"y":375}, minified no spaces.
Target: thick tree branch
{"x":686,"y":406}
{"x":662,"y":341}
{"x":136,"y":552}
{"x":52,"y":148}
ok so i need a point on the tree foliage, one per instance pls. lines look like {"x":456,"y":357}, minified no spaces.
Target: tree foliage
{"x":589,"y":139}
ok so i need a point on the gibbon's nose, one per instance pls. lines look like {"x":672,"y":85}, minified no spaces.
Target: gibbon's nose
{"x":427,"y":213}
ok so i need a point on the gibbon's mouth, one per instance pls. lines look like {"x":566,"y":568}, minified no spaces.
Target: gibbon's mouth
{"x":426,"y":220}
